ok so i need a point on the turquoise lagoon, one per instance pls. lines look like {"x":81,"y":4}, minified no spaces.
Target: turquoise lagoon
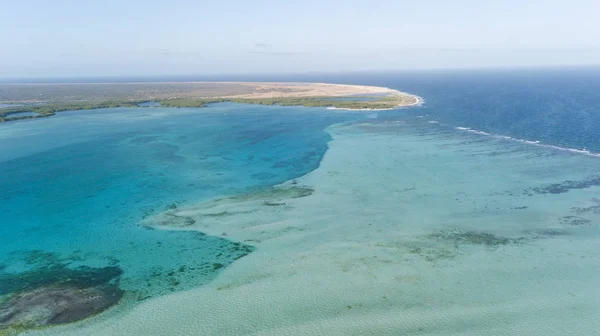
{"x":74,"y":188}
{"x":475,"y":214}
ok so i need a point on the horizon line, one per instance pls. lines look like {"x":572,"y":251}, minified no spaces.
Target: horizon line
{"x":136,"y":78}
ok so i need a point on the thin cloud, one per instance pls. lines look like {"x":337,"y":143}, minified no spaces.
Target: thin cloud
{"x":278,"y":53}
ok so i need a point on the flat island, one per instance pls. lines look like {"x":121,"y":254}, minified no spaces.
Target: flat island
{"x":27,"y":101}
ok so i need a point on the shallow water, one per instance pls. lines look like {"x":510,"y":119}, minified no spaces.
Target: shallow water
{"x":413,"y":228}
{"x":149,"y":104}
{"x":22,"y":114}
{"x":446,"y":219}
{"x":75,"y":187}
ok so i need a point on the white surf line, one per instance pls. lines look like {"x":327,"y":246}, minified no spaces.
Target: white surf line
{"x":583,"y":151}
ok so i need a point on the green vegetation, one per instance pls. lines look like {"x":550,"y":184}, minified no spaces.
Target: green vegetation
{"x":382,"y":103}
{"x":49,"y":109}
{"x":190,"y":102}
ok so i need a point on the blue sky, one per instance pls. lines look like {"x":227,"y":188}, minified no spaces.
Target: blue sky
{"x":40,"y":38}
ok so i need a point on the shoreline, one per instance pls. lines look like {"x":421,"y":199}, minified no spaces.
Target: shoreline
{"x":189,"y":95}
{"x":76,"y":92}
{"x":419,"y":101}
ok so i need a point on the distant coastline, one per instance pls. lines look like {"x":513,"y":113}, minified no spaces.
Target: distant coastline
{"x":418,"y":101}
{"x":44,"y":100}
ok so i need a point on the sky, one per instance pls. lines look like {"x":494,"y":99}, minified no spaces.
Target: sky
{"x":68,"y":38}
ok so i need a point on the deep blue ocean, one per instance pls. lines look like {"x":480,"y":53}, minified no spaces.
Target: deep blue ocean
{"x":74,"y":187}
{"x":556,"y":105}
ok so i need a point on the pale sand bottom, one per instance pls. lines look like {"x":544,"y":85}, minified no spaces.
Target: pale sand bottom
{"x":357,"y":258}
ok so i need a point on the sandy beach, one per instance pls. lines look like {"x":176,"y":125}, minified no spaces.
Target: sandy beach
{"x":271,"y":90}
{"x":66,"y":92}
{"x":416,"y":101}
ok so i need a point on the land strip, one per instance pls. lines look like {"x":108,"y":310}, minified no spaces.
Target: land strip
{"x":47,"y":99}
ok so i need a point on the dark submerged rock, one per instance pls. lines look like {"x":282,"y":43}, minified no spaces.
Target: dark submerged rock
{"x":52,"y":305}
{"x":474,"y":238}
{"x":80,"y":277}
{"x":574,"y":221}
{"x":52,"y":293}
{"x":593,"y":209}
{"x":565,"y":186}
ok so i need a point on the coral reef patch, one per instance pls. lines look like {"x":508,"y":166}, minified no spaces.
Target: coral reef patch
{"x":51,"y":292}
